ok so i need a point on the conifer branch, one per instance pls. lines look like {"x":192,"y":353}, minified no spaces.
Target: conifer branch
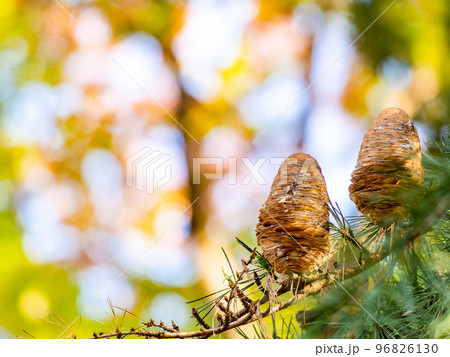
{"x":250,"y":310}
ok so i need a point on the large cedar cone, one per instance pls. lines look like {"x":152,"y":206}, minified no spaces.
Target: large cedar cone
{"x":293,"y":222}
{"x":389,"y":163}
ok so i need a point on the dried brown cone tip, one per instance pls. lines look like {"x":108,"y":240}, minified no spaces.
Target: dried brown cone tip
{"x":293,"y":222}
{"x":389,"y":163}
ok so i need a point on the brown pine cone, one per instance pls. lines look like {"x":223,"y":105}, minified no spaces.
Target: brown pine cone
{"x":389,"y":163}
{"x":293,"y":222}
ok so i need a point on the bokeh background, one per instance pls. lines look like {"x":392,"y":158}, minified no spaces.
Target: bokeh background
{"x":86,"y":84}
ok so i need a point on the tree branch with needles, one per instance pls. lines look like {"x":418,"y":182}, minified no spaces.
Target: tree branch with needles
{"x":238,"y":307}
{"x":250,"y":311}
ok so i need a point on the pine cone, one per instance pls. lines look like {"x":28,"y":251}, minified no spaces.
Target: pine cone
{"x":293,"y":222}
{"x":389,"y":163}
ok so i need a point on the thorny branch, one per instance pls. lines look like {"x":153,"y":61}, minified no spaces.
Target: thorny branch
{"x":228,"y":320}
{"x":250,"y":310}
